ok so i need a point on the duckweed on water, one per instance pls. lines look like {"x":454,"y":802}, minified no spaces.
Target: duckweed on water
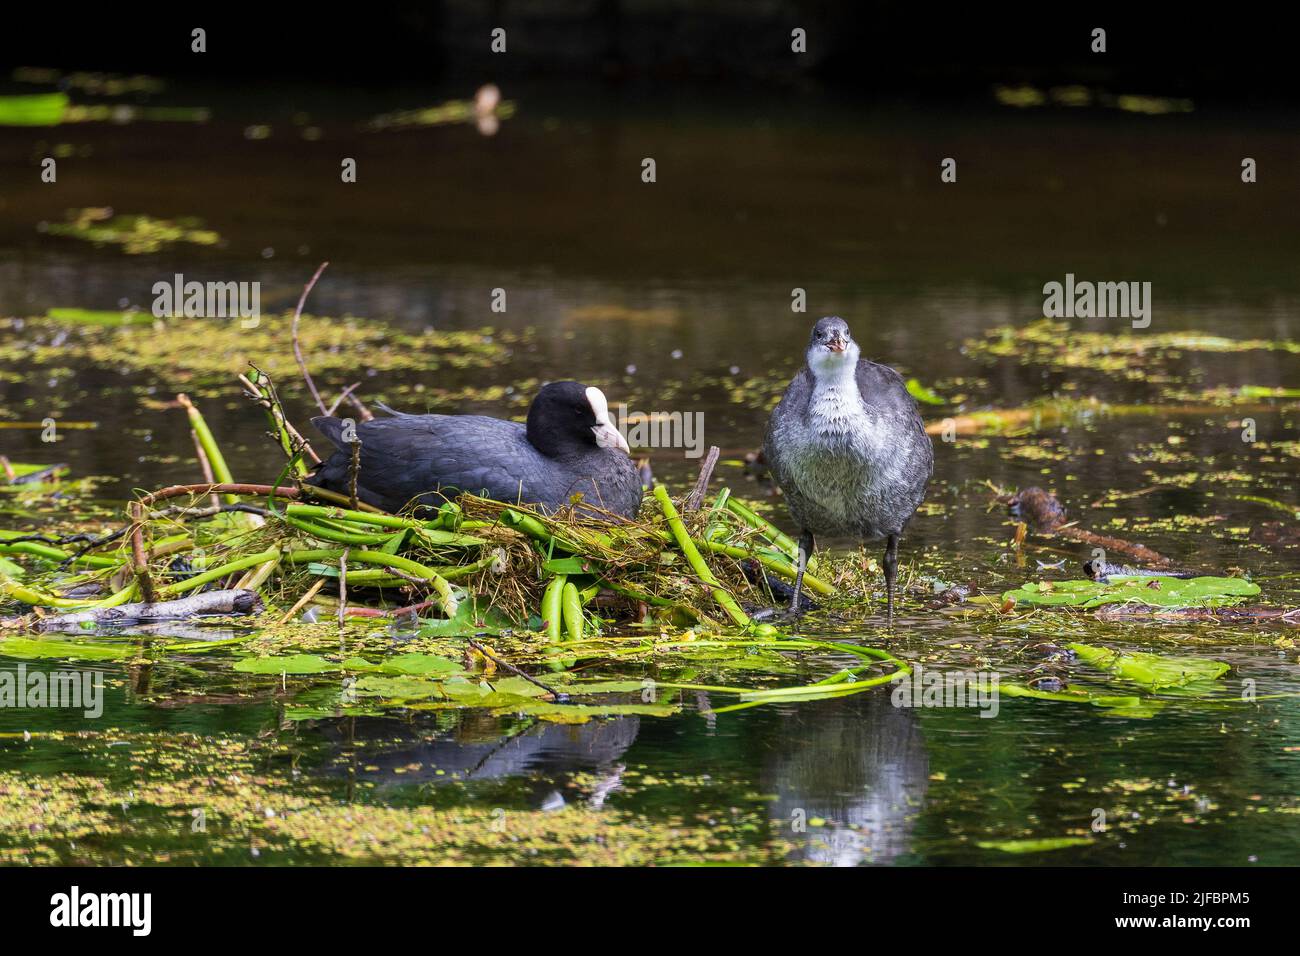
{"x":204,"y":350}
{"x":1057,"y":344}
{"x":135,"y":234}
{"x":191,"y":799}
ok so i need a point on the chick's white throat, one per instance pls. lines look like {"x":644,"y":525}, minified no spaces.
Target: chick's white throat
{"x":830,"y":366}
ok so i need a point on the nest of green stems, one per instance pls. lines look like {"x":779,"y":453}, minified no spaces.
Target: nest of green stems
{"x":568,"y":573}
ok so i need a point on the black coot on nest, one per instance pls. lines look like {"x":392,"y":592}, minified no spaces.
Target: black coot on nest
{"x":568,"y":446}
{"x":848,"y":449}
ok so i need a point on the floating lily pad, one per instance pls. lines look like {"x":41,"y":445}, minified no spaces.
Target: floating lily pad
{"x":1033,"y":846}
{"x":468,"y":621}
{"x":581,"y":713}
{"x":598,"y":687}
{"x":1153,"y":671}
{"x":26,"y":648}
{"x":1152,"y":591}
{"x":420,"y":664}
{"x":292,"y":664}
{"x":396,"y":688}
{"x":1112,"y":705}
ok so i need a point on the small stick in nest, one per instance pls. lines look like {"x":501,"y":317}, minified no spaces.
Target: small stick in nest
{"x":302,"y":601}
{"x":297,"y":348}
{"x":343,"y":397}
{"x":696,"y":498}
{"x":204,"y":465}
{"x":353,"y":469}
{"x":343,"y":587}
{"x":264,"y":393}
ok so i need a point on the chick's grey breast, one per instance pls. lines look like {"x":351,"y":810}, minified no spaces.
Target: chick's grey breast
{"x":852,"y":461}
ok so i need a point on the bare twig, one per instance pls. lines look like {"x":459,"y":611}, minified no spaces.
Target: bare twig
{"x":343,"y":587}
{"x":363,"y":413}
{"x":297,"y":348}
{"x":302,"y":601}
{"x":696,"y":498}
{"x":1043,"y":512}
{"x":264,"y":393}
{"x":555,"y":695}
{"x":353,"y":469}
{"x":346,"y":393}
{"x":138,"y":509}
{"x":205,"y":465}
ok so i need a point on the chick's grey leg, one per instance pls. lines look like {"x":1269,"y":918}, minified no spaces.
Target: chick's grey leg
{"x":806,"y":545}
{"x":891,"y":572}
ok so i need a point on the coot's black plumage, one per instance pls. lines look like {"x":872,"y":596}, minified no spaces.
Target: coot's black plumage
{"x":568,"y":446}
{"x":848,"y":448}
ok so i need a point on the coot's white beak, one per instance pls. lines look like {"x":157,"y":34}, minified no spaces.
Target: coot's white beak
{"x":607,"y":436}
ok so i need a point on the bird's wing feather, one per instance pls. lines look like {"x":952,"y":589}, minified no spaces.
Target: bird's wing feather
{"x":411,"y":455}
{"x":883,"y":389}
{"x":792,"y":409}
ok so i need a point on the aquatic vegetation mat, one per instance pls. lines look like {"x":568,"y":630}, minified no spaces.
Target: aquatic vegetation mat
{"x":187,"y":799}
{"x":135,"y":234}
{"x":202,"y":351}
{"x":1149,"y":590}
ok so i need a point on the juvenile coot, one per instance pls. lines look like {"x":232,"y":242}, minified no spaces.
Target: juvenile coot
{"x":848,"y":449}
{"x":568,"y":446}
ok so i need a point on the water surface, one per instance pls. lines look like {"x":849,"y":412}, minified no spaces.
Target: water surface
{"x":675,"y":296}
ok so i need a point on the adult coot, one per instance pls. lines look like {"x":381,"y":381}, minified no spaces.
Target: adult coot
{"x":848,"y":449}
{"x":568,"y":446}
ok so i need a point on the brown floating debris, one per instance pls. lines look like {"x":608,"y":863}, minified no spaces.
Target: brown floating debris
{"x":1046,"y":515}
{"x":1222,"y":615}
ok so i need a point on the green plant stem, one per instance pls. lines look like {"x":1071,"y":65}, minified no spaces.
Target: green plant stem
{"x":424,"y":530}
{"x":770,"y":531}
{"x":773,"y":565}
{"x":220,"y":470}
{"x":39,"y":598}
{"x":189,"y":584}
{"x":50,"y":553}
{"x":571,"y":609}
{"x":692,"y":555}
{"x":324,"y":533}
{"x":446,"y":598}
{"x":552,"y":607}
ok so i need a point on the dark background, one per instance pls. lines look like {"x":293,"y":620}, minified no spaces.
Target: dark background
{"x":1235,"y":53}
